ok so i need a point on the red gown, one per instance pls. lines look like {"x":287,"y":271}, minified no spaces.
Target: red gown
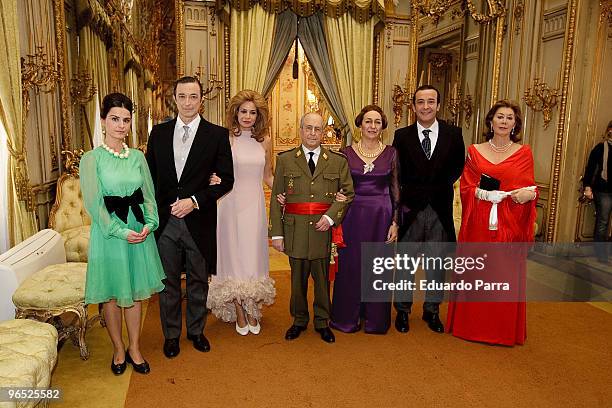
{"x":494,"y":322}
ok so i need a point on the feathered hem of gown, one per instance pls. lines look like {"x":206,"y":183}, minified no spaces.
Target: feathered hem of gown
{"x":253,"y":294}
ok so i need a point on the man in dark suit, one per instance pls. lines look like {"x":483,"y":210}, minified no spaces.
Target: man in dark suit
{"x":431,"y":156}
{"x":182,"y":154}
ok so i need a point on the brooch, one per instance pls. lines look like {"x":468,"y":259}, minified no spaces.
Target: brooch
{"x":368,"y":167}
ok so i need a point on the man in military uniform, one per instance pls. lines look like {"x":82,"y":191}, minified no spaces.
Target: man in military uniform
{"x":310,"y":176}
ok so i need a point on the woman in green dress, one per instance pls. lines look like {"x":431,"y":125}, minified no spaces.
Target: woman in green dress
{"x":123,"y":263}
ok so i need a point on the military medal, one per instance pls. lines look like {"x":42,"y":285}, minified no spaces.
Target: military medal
{"x":290,"y":189}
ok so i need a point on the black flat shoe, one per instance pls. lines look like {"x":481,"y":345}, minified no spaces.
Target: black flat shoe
{"x":171,"y":348}
{"x":200,"y":342}
{"x":401,"y":322}
{"x":326,"y":335}
{"x":433,"y":322}
{"x":142,"y":368}
{"x":118,"y":369}
{"x":294,"y":332}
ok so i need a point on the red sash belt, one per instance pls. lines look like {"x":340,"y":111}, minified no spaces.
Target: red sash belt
{"x":306,"y":208}
{"x":337,"y":238}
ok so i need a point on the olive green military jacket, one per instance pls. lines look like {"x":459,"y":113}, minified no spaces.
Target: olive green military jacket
{"x":293,"y":177}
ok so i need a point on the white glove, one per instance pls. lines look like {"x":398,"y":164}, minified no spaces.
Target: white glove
{"x":494,"y":196}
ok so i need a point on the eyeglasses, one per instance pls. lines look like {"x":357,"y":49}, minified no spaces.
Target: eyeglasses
{"x":310,"y":129}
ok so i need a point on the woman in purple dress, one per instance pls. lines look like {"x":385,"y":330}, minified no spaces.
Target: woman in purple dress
{"x":374,"y":170}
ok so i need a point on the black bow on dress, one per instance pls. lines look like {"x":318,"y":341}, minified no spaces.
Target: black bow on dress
{"x":121,"y":206}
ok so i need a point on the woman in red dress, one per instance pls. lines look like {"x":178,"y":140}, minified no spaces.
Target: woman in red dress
{"x":502,"y":158}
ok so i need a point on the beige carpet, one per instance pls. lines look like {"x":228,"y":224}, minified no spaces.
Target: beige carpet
{"x":565,"y":362}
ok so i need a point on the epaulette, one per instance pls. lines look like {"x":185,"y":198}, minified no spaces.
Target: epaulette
{"x":286,"y":151}
{"x":338,"y":153}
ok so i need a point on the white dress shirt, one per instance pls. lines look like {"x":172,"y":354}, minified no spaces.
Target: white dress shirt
{"x":181,"y":150}
{"x":433,"y":135}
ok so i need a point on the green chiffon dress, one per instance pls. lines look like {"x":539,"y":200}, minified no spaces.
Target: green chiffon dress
{"x":117,"y":269}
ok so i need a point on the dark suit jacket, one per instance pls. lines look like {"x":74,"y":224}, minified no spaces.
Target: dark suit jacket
{"x":429,"y":182}
{"x":210,"y":153}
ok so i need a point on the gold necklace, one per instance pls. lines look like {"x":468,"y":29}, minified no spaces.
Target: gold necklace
{"x":381,"y":147}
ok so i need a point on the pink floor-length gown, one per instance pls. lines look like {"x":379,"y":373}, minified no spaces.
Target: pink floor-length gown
{"x":242,"y":237}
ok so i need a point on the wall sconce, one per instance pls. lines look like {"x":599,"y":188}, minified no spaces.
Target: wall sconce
{"x":38,"y":74}
{"x":211,"y":88}
{"x":458,"y":104}
{"x":541,"y":98}
{"x":82,"y":88}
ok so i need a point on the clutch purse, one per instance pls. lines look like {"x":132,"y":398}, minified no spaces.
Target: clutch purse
{"x":489,"y":183}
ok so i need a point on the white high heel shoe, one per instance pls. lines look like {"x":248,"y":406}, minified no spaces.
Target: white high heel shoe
{"x":253,"y":329}
{"x":243,"y":331}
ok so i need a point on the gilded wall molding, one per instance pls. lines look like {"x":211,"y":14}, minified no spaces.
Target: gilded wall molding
{"x":60,"y":50}
{"x":499,"y":38}
{"x":472,"y":48}
{"x":554,"y":24}
{"x":389,"y":35}
{"x":519,"y":14}
{"x":434,"y":10}
{"x":226,"y":62}
{"x":568,"y":56}
{"x":605,"y":13}
{"x":180,"y":36}
{"x":440,"y":33}
{"x":377,"y":64}
{"x":496,"y":10}
{"x":411,"y":86}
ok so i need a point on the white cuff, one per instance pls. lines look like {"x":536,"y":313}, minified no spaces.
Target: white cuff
{"x":328,"y":218}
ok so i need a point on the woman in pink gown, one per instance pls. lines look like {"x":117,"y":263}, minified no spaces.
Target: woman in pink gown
{"x":242,"y":283}
{"x":502,"y":158}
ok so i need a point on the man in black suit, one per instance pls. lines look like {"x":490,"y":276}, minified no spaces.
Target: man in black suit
{"x":182,"y":154}
{"x":431,"y":156}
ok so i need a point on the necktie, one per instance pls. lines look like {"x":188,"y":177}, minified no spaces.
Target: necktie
{"x":426,"y":143}
{"x":311,"y":163}
{"x":186,"y":134}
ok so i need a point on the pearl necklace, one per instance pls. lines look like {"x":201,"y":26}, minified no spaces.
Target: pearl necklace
{"x":500,"y":149}
{"x":381,"y":147}
{"x":125,"y":151}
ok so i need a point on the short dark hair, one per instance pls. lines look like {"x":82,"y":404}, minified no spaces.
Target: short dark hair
{"x":116,"y":100}
{"x":515,"y":136}
{"x":425,"y":88}
{"x":369,"y":108}
{"x":187,"y":80}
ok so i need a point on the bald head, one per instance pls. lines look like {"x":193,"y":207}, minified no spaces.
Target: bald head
{"x":311,"y":130}
{"x":315,"y":114}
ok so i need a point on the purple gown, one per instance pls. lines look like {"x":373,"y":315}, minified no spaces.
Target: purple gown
{"x":376,"y":198}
